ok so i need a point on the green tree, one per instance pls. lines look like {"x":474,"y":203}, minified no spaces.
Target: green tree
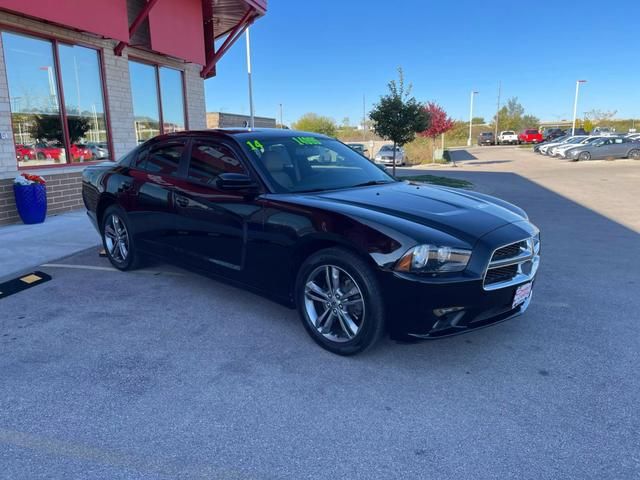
{"x":398,"y":116}
{"x":312,"y":122}
{"x":512,"y":117}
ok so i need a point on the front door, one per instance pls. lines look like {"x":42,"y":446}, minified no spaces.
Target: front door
{"x":216,"y":223}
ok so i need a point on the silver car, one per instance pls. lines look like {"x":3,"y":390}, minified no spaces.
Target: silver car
{"x":606,"y":147}
{"x":100,"y":150}
{"x":385,"y":155}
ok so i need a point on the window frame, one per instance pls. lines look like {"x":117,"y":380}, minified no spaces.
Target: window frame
{"x":156,"y":68}
{"x":237,"y":153}
{"x":55,"y":40}
{"x":183,"y":163}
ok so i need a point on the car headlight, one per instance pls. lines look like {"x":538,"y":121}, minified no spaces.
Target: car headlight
{"x":434,"y":259}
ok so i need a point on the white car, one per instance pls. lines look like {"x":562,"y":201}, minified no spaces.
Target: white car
{"x":508,"y":137}
{"x":568,"y":143}
{"x":564,"y":151}
{"x":544,"y":148}
{"x":385,"y":156}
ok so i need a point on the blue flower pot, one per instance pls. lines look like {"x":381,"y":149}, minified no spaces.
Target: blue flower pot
{"x":31,"y":202}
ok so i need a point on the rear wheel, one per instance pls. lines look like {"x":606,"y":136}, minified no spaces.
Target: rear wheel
{"x":340,"y":302}
{"x":117,"y":239}
{"x":634,"y":154}
{"x":584,"y":156}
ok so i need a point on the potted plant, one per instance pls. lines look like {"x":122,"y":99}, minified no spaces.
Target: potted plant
{"x":31,"y":198}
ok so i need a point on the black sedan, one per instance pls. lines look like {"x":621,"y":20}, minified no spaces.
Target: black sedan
{"x":307,"y":221}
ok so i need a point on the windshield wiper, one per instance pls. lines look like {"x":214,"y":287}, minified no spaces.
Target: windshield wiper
{"x":372,"y":182}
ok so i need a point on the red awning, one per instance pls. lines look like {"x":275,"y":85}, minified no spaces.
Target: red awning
{"x":227,"y":14}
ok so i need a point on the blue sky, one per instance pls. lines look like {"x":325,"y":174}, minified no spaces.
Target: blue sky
{"x":322,"y":56}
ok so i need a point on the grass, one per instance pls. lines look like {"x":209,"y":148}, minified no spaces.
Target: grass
{"x":437,"y":180}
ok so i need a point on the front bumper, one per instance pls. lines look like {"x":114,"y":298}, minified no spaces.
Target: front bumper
{"x":413,"y":309}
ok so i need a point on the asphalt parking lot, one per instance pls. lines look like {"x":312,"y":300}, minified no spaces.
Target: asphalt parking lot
{"x":164,"y":374}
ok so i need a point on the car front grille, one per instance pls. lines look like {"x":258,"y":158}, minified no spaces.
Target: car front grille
{"x":513,"y":263}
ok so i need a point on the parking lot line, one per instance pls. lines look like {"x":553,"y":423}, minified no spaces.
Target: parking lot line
{"x":110,"y":269}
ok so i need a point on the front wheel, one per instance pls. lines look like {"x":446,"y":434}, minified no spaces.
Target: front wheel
{"x":339,"y":301}
{"x":634,"y":154}
{"x":584,"y":156}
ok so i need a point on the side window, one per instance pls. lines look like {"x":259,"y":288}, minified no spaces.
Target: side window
{"x":210,"y":159}
{"x":165,"y":159}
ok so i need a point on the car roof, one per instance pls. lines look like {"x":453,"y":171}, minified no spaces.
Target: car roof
{"x":242,"y":133}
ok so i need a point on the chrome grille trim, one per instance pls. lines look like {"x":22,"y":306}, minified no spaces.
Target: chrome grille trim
{"x":526,"y":261}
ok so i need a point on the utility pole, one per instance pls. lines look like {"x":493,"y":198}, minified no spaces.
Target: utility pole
{"x":252,"y":123}
{"x":364,"y":119}
{"x":575,"y":106}
{"x":281,"y":121}
{"x":498,"y":110}
{"x":473,"y":93}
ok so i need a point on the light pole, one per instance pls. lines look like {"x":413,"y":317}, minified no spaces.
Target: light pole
{"x":575,"y":106}
{"x":281,"y":124}
{"x":252,"y":119}
{"x":473,"y":93}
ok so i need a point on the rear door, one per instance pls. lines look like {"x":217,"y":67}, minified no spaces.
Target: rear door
{"x":157,"y":173}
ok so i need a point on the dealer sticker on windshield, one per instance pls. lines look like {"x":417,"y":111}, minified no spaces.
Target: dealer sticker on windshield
{"x":521,"y":295}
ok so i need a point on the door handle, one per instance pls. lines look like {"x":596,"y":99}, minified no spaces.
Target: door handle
{"x":182,"y":201}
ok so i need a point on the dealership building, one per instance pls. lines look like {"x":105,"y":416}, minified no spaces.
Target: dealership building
{"x":86,"y":81}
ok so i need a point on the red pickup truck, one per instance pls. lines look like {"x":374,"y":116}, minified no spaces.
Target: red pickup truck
{"x":530,"y":135}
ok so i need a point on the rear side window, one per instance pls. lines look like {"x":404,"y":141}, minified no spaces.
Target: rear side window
{"x":209,"y":159}
{"x":165,"y":159}
{"x":532,"y":132}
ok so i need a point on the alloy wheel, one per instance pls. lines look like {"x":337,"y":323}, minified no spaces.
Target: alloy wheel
{"x":334,"y":303}
{"x":116,"y":238}
{"x":585,"y":156}
{"x":634,"y":154}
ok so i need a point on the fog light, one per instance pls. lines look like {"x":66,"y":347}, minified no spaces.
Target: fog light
{"x":440,"y":312}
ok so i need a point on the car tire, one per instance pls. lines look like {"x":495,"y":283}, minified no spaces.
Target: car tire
{"x":584,"y":156}
{"x":117,"y":239}
{"x":634,"y":154}
{"x":326,"y":282}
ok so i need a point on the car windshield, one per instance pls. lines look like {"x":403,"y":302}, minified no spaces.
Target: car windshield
{"x":487,"y":134}
{"x":309,"y":163}
{"x":508,"y":133}
{"x":388,"y":148}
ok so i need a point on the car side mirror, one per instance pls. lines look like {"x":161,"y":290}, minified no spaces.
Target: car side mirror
{"x":235,"y":181}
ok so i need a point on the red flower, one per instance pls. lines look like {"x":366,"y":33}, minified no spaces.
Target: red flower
{"x":34,"y":178}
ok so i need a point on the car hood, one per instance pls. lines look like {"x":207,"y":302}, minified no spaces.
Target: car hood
{"x":463,"y":214}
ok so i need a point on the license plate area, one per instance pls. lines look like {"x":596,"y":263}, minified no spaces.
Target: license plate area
{"x":521,"y":295}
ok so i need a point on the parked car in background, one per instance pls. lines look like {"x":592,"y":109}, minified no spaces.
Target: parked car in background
{"x":356,"y":251}
{"x":385,"y":155}
{"x":568,"y":143}
{"x":25,"y":152}
{"x":99,"y":150}
{"x":578,"y":131}
{"x":530,"y":135}
{"x":49,"y":151}
{"x":548,"y":133}
{"x":80,"y":153}
{"x":360,"y":148}
{"x":606,"y":148}
{"x":603,"y":130}
{"x":551,"y":142}
{"x":563,"y":151}
{"x":486,"y":138}
{"x":508,"y":137}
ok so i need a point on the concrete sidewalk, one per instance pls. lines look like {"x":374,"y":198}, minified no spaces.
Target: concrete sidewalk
{"x":23,"y":247}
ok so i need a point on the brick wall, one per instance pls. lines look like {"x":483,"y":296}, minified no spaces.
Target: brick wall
{"x":64,"y":194}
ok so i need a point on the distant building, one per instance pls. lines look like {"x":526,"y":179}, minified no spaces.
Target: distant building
{"x":230,"y":120}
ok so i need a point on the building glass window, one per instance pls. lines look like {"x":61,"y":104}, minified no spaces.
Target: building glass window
{"x":84,"y":103}
{"x":43,"y":135}
{"x":158,"y":100}
{"x":172,"y":100}
{"x":144,"y":90}
{"x":35,"y":105}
